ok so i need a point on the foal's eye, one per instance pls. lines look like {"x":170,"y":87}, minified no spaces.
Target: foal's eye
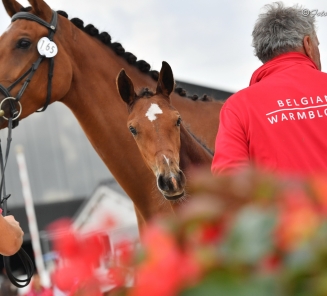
{"x":133,"y":130}
{"x":179,"y":120}
{"x":23,"y":44}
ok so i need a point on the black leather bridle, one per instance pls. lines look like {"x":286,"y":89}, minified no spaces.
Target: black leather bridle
{"x":13,"y":121}
{"x":52,"y":26}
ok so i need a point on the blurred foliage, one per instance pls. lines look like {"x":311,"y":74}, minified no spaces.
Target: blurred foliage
{"x":250,"y":234}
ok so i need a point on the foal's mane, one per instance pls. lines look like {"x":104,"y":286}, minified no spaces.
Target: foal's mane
{"x":142,"y":65}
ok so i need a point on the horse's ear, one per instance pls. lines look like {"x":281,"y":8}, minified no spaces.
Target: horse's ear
{"x":125,"y":87}
{"x":166,"y":81}
{"x":11,"y":6}
{"x":41,"y":9}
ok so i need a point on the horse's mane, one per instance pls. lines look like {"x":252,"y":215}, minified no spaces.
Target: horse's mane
{"x":146,"y":92}
{"x":142,"y":65}
{"x":199,"y":141}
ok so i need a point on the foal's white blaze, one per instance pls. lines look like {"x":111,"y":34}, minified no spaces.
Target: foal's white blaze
{"x":153,"y":110}
{"x":166,"y":159}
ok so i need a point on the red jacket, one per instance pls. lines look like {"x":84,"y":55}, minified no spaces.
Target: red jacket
{"x":279,"y":122}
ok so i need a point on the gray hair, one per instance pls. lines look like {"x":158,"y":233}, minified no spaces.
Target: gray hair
{"x":281,"y":29}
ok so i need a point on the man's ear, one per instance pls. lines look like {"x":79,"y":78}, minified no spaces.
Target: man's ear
{"x":311,"y":49}
{"x":308,"y":46}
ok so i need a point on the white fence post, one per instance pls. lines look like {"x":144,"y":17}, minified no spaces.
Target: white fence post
{"x":31,"y":218}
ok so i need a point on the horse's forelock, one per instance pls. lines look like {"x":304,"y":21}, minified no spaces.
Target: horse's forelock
{"x":145,"y":92}
{"x":26,"y":9}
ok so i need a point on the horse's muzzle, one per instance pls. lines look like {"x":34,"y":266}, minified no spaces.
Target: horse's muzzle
{"x":171,"y":185}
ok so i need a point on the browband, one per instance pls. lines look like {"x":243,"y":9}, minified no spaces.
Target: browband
{"x":52,"y":26}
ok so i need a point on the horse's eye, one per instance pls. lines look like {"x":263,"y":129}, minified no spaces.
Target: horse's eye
{"x":179,"y":120}
{"x":23,"y":44}
{"x":133,"y":130}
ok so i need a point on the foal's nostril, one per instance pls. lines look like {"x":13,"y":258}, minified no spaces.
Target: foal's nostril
{"x":182,"y":179}
{"x":162,"y":184}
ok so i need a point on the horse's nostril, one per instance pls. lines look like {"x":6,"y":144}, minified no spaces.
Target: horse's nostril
{"x":161,"y":183}
{"x":182,"y":179}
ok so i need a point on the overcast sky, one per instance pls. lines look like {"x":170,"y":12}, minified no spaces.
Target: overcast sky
{"x":207,"y":42}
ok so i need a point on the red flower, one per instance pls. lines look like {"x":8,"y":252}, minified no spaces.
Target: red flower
{"x":319,"y":186}
{"x":270,"y":263}
{"x":66,"y":242}
{"x":116,"y":276}
{"x":211,"y":233}
{"x":166,"y":267}
{"x":70,"y":276}
{"x":124,"y":252}
{"x":79,"y":256}
{"x":297,"y":222}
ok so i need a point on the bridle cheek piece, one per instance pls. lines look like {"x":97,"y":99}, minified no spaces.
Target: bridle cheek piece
{"x":14,"y":113}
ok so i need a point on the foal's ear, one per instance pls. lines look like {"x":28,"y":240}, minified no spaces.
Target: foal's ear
{"x":41,"y":9}
{"x":125,"y":87}
{"x":11,"y":6}
{"x":166,"y":81}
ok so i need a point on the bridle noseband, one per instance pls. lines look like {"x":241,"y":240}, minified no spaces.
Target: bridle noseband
{"x":52,"y":26}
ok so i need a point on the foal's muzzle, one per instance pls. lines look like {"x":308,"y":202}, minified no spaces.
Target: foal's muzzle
{"x":171,"y":185}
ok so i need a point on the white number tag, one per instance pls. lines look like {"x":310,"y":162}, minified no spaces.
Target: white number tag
{"x":47,"y":48}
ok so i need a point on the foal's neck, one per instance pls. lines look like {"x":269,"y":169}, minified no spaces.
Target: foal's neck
{"x":192,"y":152}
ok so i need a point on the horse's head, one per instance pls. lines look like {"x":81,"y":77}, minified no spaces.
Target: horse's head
{"x":19,"y":50}
{"x":155,"y":126}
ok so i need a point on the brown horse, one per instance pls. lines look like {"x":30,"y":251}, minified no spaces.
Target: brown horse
{"x":168,"y":148}
{"x":84,"y":79}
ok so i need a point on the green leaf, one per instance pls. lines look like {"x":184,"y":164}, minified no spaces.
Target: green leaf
{"x":218,"y":283}
{"x":250,"y":238}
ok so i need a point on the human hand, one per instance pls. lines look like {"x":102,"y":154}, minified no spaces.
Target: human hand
{"x":12,"y":235}
{"x":15,"y":224}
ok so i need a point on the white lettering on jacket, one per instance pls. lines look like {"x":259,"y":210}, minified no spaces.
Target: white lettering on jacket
{"x":307,"y":107}
{"x":299,"y":115}
{"x":304,"y":101}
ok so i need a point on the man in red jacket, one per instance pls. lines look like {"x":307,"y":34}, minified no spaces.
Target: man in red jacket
{"x":279,"y":122}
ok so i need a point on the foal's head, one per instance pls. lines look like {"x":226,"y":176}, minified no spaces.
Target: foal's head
{"x":155,"y":126}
